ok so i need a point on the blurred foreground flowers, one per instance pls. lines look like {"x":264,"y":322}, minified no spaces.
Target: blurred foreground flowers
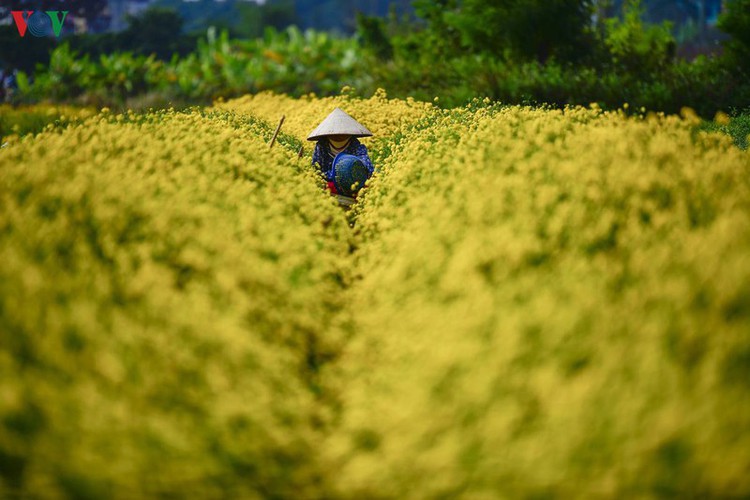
{"x":538,"y":302}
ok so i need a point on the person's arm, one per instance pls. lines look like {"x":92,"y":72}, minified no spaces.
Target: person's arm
{"x":319,"y":162}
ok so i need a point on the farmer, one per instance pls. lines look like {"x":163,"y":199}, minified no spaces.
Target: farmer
{"x":339,"y":156}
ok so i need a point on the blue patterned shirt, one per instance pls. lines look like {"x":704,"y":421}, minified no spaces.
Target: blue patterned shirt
{"x":323,"y":156}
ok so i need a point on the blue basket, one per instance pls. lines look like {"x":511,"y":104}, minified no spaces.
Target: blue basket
{"x":348,"y":170}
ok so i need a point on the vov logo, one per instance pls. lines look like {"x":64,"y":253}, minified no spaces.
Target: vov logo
{"x":39,"y":23}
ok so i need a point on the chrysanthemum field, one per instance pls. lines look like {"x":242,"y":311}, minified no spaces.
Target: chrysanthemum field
{"x":524,"y":303}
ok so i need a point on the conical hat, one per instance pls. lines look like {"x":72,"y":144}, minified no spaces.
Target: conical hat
{"x":339,"y":123}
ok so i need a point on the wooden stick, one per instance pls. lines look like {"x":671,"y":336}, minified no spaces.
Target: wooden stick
{"x":301,"y":152}
{"x":275,"y":134}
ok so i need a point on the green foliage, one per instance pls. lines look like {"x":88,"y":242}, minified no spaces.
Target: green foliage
{"x":738,"y":127}
{"x":706,"y":85}
{"x":372,"y":36}
{"x":291,"y":61}
{"x":635,"y":47}
{"x":531,"y":30}
{"x":451,"y":53}
{"x":110,"y":79}
{"x":441,"y":38}
{"x":155,"y":31}
{"x":735,"y":21}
